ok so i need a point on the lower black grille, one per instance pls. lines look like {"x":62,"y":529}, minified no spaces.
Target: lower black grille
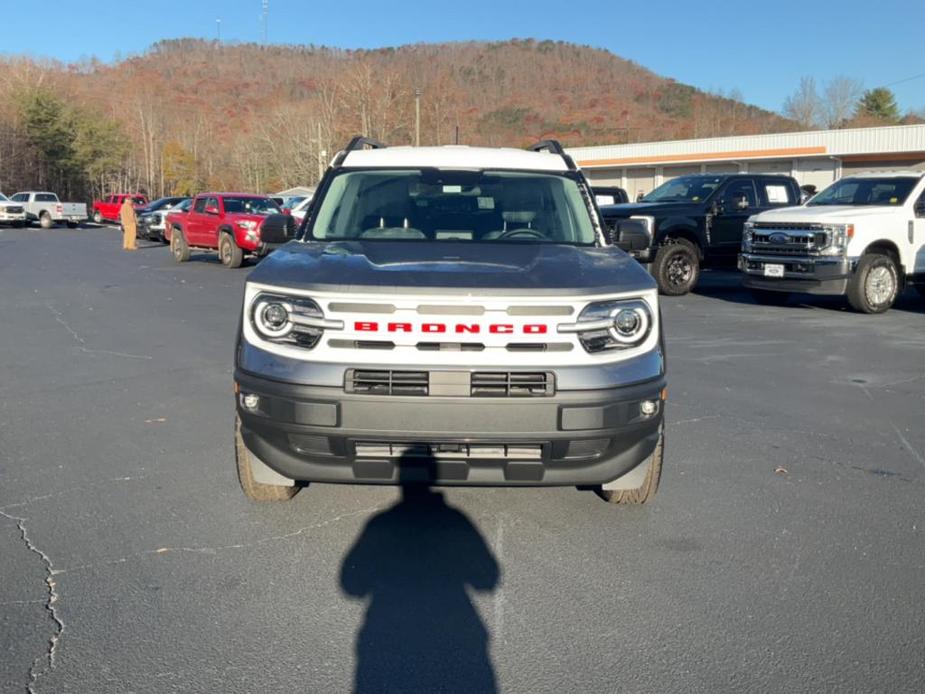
{"x":511,"y":384}
{"x":386,"y":382}
{"x":478,"y":384}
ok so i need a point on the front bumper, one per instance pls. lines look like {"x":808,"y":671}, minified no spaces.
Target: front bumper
{"x":324,"y":434}
{"x":802,"y":274}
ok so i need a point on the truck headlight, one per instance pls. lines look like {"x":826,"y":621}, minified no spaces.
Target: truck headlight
{"x":290,"y":320}
{"x":748,"y":236}
{"x":608,"y":325}
{"x":838,"y":236}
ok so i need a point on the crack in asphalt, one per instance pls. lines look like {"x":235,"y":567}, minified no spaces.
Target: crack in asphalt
{"x":82,"y":344}
{"x":206,"y":549}
{"x":49,"y":656}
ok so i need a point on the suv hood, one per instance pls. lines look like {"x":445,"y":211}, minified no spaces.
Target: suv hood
{"x":451,"y":267}
{"x":825,"y":213}
{"x":653,"y":209}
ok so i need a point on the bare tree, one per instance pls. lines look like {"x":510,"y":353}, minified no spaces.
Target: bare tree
{"x":804,"y":105}
{"x":840,"y":100}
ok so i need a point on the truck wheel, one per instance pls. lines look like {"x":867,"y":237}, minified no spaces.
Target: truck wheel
{"x":45,"y":221}
{"x":644,"y":493}
{"x":875,"y":284}
{"x":676,"y":267}
{"x":97,"y":217}
{"x":229,"y":252}
{"x":254,"y":490}
{"x":178,"y":246}
{"x":767,"y":297}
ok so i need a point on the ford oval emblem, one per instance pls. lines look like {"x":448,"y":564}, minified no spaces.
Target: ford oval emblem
{"x":779,"y":237}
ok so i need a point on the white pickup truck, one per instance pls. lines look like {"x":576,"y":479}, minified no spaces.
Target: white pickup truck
{"x":11,"y":213}
{"x":47,"y":210}
{"x":862,"y":237}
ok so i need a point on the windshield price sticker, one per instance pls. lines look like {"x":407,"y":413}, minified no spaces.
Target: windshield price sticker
{"x":776,"y":194}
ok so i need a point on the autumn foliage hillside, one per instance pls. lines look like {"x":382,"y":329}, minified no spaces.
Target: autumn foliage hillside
{"x":189,"y":114}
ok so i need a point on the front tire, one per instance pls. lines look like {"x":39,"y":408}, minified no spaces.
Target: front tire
{"x":676,"y":267}
{"x":229,"y":252}
{"x":646,"y":492}
{"x":875,"y":284}
{"x":179,"y":248}
{"x":45,"y":221}
{"x":254,"y":490}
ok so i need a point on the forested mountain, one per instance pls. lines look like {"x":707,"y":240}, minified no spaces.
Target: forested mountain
{"x":190,"y":114}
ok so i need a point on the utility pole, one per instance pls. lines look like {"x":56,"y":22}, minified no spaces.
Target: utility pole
{"x":266,"y":18}
{"x":218,"y":30}
{"x":417,"y":117}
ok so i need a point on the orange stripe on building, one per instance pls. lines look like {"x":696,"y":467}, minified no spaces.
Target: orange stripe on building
{"x":705,"y":156}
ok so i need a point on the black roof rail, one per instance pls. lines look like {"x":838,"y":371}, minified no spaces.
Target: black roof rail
{"x":554,"y":147}
{"x":358,"y":142}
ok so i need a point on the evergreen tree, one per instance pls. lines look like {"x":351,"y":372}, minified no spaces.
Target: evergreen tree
{"x":879,"y":103}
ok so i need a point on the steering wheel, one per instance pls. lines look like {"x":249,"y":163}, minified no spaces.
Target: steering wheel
{"x":528,"y":233}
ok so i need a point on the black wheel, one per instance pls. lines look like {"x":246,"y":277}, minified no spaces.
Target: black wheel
{"x":45,"y":221}
{"x":178,"y":246}
{"x":97,"y":217}
{"x":676,"y":267}
{"x":875,"y":284}
{"x":229,"y":252}
{"x":644,"y":493}
{"x":767,"y":297}
{"x":254,"y":490}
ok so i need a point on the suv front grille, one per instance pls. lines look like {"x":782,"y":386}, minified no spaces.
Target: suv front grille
{"x":511,"y":384}
{"x":387,"y":382}
{"x":478,"y":384}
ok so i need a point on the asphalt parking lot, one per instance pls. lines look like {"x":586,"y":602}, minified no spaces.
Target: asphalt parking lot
{"x":785,"y":551}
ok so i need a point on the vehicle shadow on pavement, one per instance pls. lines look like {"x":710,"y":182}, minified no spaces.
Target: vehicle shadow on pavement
{"x":414,"y":562}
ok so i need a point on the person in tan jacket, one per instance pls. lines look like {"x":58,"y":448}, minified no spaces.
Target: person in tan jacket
{"x":129,"y":232}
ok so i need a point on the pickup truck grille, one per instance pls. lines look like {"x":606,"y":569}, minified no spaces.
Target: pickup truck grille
{"x":788,"y":239}
{"x":477,"y":384}
{"x":13,"y":209}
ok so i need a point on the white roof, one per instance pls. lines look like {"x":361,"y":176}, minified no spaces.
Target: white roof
{"x":456,"y":157}
{"x":814,"y":143}
{"x":885,"y":174}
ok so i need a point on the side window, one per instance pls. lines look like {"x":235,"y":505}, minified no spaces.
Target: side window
{"x":777,"y":193}
{"x":46,"y":197}
{"x":213,"y":202}
{"x":199,"y":205}
{"x":737,"y":189}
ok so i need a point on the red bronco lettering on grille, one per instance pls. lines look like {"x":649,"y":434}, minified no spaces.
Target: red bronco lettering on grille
{"x":459,"y":328}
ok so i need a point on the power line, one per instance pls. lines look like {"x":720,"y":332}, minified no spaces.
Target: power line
{"x":905,"y":79}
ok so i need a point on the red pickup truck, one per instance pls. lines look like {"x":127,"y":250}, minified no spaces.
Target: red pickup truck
{"x":107,"y":209}
{"x":228,"y":223}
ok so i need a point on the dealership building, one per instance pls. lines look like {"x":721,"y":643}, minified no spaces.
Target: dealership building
{"x":814,"y":158}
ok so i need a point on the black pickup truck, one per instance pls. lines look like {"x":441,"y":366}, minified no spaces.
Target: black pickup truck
{"x":694,"y":221}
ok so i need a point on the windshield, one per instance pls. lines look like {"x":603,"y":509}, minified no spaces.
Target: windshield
{"x":461,"y":206}
{"x":4,"y":198}
{"x":161,"y":203}
{"x":685,"y":189}
{"x":183,"y":206}
{"x":251,"y":206}
{"x":888,"y":191}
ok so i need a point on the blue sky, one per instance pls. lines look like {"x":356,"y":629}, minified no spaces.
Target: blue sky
{"x":762,"y":48}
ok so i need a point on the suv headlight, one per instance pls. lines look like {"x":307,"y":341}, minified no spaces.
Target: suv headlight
{"x":292,"y":320}
{"x":248,"y":224}
{"x":838,"y":236}
{"x":612,"y":325}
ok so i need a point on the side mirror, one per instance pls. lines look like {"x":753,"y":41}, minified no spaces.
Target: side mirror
{"x":211,"y":209}
{"x":630,"y":235}
{"x":277,"y":228}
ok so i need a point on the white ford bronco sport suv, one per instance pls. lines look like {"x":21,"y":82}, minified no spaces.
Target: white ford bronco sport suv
{"x":863,"y":236}
{"x":453,"y":316}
